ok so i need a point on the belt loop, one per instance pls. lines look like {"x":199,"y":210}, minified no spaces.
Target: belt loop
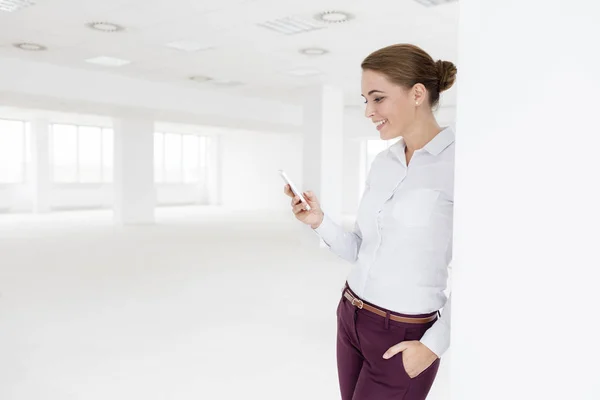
{"x":386,"y":323}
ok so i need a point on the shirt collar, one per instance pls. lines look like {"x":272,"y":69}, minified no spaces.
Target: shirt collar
{"x":435,"y":146}
{"x":442,"y":140}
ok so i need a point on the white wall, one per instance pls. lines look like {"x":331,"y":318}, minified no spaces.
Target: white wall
{"x":250,"y":161}
{"x":15,"y":198}
{"x":526,"y":260}
{"x":175,"y":194}
{"x":74,"y":196}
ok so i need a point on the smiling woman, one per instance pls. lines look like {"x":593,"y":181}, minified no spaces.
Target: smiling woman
{"x":398,"y":77}
{"x":390,"y":339}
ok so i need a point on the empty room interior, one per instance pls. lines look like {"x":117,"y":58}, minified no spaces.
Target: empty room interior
{"x":147,"y":247}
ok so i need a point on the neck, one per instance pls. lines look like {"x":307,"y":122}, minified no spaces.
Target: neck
{"x":420,"y":134}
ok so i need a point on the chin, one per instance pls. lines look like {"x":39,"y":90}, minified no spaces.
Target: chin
{"x":387,"y":135}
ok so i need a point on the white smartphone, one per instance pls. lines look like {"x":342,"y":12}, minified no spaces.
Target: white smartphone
{"x":294,"y":189}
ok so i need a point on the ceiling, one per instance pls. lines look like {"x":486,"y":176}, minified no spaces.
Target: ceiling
{"x":240,"y":49}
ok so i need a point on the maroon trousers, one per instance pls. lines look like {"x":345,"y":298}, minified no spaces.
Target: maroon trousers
{"x":364,"y":374}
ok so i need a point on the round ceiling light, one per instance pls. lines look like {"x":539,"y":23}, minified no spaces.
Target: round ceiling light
{"x":30,"y":46}
{"x":105,"y":27}
{"x":313,"y":51}
{"x":334,"y":17}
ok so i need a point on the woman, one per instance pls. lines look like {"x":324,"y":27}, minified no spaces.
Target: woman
{"x":390,"y":338}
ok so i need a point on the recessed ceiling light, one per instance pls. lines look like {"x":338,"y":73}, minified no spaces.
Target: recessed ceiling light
{"x":14,"y":5}
{"x":105,"y":27}
{"x":200,"y":78}
{"x":334,"y":17}
{"x":108,"y":61}
{"x":30,"y":46}
{"x":431,"y":3}
{"x":291,"y":25}
{"x":304,"y":72}
{"x":188,"y":45}
{"x":313,"y":51}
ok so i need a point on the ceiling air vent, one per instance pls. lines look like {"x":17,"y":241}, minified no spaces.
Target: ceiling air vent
{"x":431,"y":3}
{"x":292,"y":25}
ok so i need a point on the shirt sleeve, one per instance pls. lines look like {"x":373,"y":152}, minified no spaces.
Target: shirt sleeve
{"x":437,"y":338}
{"x":338,"y":240}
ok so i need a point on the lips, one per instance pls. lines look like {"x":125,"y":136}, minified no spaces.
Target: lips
{"x":380,"y":124}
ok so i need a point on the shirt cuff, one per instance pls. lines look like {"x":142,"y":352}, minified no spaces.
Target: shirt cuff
{"x":437,"y":338}
{"x":327,"y":230}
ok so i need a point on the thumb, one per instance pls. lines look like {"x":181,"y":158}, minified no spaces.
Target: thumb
{"x":392,"y":351}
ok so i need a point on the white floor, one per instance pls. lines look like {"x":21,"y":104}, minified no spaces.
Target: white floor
{"x":202,"y":305}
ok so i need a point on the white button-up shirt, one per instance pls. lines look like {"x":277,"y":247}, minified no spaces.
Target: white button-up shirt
{"x":401,"y":246}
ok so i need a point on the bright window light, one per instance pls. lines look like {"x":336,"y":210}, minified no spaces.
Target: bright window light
{"x":64,"y":153}
{"x":191,"y":148}
{"x":90,"y":154}
{"x":107,"y":155}
{"x":180,"y":158}
{"x":81,"y":154}
{"x":173,"y":158}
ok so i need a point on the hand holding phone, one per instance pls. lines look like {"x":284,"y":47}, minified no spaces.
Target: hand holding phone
{"x":301,"y":203}
{"x":294,"y":189}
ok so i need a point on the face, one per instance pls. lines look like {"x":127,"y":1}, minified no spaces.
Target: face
{"x":388,"y":102}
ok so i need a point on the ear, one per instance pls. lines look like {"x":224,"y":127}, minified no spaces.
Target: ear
{"x":419,"y":94}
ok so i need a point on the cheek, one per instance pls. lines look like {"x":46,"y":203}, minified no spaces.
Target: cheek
{"x":398,"y":114}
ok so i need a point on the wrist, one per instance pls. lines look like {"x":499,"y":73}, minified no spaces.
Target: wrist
{"x":432,"y":354}
{"x":318,"y":224}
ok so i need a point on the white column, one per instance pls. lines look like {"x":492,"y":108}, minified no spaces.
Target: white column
{"x":214,"y":171}
{"x":40,"y":156}
{"x":135,"y":193}
{"x":526,"y":270}
{"x":352,"y":175}
{"x":323,"y":147}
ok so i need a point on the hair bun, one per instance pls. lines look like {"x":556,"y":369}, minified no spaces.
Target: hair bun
{"x":446,"y":74}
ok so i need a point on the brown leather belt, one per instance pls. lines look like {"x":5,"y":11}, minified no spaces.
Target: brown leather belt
{"x":356,"y":302}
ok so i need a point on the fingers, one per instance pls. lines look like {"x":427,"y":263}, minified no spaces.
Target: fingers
{"x":310,"y":196}
{"x":392,"y":351}
{"x":298,"y":208}
{"x":311,"y":199}
{"x":288,"y":191}
{"x":297,"y":205}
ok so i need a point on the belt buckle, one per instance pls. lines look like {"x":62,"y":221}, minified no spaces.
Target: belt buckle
{"x":357,"y":303}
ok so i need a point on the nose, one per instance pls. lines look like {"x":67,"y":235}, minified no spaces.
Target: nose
{"x":368,"y":111}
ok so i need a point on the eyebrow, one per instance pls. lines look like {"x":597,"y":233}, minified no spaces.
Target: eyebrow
{"x":374,"y":91}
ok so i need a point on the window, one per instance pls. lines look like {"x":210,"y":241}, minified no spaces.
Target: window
{"x":179,"y":158}
{"x":90,"y":159}
{"x":81,"y":154}
{"x":14,"y":148}
{"x":173,"y":158}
